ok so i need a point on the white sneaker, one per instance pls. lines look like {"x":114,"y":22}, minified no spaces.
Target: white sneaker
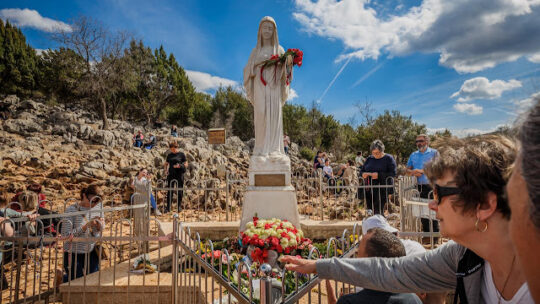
{"x":158,"y":213}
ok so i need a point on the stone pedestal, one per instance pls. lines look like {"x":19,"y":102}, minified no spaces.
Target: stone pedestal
{"x":270,"y":193}
{"x":269,"y":202}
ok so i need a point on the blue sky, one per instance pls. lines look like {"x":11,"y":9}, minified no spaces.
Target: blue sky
{"x":466,"y":65}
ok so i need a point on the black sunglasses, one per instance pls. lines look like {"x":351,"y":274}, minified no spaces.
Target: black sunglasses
{"x":441,"y":192}
{"x":420,"y":141}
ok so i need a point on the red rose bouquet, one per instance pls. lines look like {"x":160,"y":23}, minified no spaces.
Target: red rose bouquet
{"x":273,"y":234}
{"x":274,"y":60}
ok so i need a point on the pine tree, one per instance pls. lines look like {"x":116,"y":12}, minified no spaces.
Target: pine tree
{"x":18,"y":62}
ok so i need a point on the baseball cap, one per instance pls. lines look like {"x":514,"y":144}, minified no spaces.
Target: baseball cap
{"x":376,"y":221}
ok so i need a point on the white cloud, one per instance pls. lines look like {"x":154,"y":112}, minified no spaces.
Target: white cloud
{"x":292,"y":94}
{"x":468,"y":108}
{"x":469,"y":35}
{"x":31,"y":18}
{"x":534,"y":58}
{"x":469,"y":132}
{"x":524,"y":104}
{"x":482,"y":88}
{"x":204,"y":82}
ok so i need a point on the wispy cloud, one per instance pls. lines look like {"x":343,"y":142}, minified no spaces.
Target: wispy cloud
{"x":368,"y":74}
{"x":205,"y":82}
{"x":32,"y":18}
{"x":319,"y":100}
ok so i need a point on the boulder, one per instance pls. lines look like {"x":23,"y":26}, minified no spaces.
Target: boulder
{"x":22,"y":127}
{"x":18,"y":157}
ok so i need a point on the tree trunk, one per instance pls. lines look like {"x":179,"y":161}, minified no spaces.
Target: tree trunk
{"x":103,"y":106}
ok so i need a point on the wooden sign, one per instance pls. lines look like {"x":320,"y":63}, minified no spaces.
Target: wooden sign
{"x":216,"y":136}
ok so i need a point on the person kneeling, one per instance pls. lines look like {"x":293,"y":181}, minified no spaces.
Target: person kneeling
{"x":377,"y":242}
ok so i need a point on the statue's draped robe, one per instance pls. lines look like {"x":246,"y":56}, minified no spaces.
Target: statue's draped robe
{"x":267,"y":100}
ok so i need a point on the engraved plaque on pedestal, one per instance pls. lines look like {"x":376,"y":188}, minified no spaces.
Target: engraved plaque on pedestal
{"x":269,"y":180}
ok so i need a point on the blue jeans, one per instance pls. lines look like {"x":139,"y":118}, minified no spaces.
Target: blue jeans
{"x":153,"y":202}
{"x":78,"y":261}
{"x":287,"y":150}
{"x":138,"y":143}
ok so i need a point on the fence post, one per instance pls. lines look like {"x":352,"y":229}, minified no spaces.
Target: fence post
{"x":175,"y":236}
{"x":227,"y":206}
{"x":266,"y":284}
{"x":321,"y":194}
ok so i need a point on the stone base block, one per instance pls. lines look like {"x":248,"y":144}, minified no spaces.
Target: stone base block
{"x":269,"y":202}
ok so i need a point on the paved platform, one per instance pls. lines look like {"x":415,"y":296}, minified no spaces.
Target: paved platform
{"x":313,"y":229}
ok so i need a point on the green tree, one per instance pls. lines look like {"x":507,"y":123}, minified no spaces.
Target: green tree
{"x":173,"y":90}
{"x":19,"y":63}
{"x":101,"y":51}
{"x":61,"y":71}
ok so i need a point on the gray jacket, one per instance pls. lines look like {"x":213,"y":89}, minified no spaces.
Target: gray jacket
{"x":433,"y":271}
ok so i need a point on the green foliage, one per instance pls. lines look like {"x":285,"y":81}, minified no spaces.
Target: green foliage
{"x":307,"y":153}
{"x":61,"y":70}
{"x":141,"y":84}
{"x":19,"y":72}
{"x":233,"y":111}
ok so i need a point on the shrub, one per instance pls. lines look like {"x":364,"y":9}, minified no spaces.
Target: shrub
{"x":307,"y":153}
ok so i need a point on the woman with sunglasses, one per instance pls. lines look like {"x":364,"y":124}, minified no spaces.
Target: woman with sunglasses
{"x":479,"y":263}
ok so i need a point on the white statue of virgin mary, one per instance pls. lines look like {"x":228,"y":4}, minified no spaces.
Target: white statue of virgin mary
{"x":267,"y":100}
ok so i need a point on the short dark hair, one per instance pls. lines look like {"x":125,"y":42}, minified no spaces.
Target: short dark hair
{"x":382,"y":243}
{"x":350,"y":162}
{"x":530,"y":159}
{"x":92,"y":190}
{"x":480,"y":164}
{"x":173,"y":144}
{"x":358,"y":153}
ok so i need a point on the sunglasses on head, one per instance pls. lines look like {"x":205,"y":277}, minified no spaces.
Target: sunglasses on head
{"x":440,"y":192}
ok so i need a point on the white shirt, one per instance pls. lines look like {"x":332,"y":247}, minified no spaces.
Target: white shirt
{"x":328,"y":170}
{"x":359,"y":160}
{"x":491,"y":294}
{"x":412,"y":247}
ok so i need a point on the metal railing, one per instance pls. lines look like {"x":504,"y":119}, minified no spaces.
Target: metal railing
{"x":43,"y":267}
{"x":318,"y":198}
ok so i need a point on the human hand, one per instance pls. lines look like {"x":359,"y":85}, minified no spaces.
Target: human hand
{"x":374,"y":175}
{"x":176,"y":166}
{"x":299,"y":265}
{"x":32,"y":217}
{"x":186,"y":164}
{"x":289,"y":60}
{"x":365,"y":175}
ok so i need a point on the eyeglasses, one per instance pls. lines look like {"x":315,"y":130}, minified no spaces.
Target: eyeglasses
{"x":441,"y":192}
{"x":420,"y":141}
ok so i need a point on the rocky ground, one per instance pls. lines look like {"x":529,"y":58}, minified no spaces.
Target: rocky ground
{"x":65,"y":149}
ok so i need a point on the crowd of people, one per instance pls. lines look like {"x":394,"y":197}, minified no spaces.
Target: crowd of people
{"x":486,"y":196}
{"x":484,"y":190}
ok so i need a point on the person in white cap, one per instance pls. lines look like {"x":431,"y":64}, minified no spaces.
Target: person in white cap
{"x":378,"y":221}
{"x":411,"y":248}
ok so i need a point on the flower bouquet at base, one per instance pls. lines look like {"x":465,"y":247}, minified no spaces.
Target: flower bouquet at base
{"x":142,"y":265}
{"x":267,"y":239}
{"x":297,"y":57}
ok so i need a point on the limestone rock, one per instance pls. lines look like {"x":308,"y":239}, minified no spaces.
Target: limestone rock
{"x":21,"y":126}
